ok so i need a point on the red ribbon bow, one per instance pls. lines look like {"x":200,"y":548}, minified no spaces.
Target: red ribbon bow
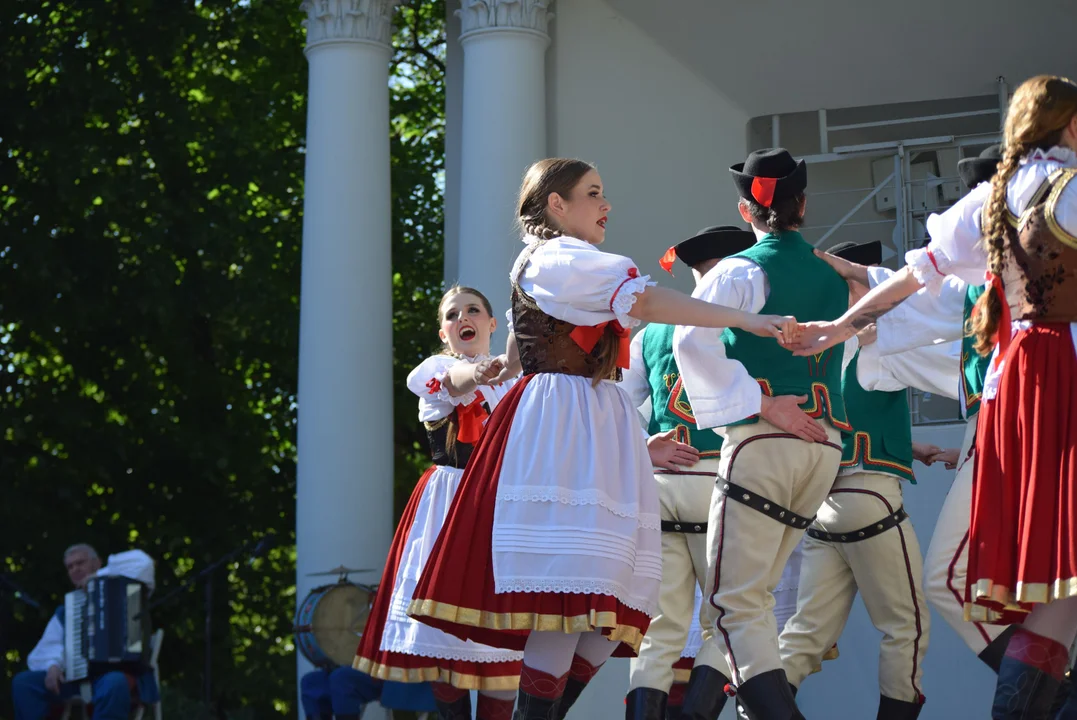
{"x":587,"y":336}
{"x":763,"y":190}
{"x":471,"y":418}
{"x":1005,"y":327}
{"x":667,"y":260}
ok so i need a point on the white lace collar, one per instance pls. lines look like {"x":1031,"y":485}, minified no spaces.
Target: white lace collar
{"x":568,"y":239}
{"x":1058,"y":154}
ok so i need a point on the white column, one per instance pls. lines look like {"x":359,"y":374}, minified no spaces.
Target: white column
{"x":503,"y":130}
{"x":344,"y":492}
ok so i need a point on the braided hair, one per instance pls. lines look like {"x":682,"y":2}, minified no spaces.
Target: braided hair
{"x":1039,"y":112}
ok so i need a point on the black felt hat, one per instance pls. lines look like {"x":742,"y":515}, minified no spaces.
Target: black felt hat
{"x":974,"y":171}
{"x":709,"y":243}
{"x":869,"y":253}
{"x":770,"y":175}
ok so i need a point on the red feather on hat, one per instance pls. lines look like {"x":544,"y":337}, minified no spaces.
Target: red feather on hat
{"x":667,"y":260}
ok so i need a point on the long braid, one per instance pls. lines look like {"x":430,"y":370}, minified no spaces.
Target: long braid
{"x":988,"y":311}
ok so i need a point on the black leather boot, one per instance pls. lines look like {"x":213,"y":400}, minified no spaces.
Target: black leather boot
{"x":645,"y":704}
{"x":1023,"y":692}
{"x":705,"y":696}
{"x":573,"y":688}
{"x":891,"y":709}
{"x":1065,"y":705}
{"x":459,"y":709}
{"x":768,"y":697}
{"x":532,"y":707}
{"x":992,"y":654}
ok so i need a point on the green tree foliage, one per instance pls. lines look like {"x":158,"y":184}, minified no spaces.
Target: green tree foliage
{"x":151,"y":184}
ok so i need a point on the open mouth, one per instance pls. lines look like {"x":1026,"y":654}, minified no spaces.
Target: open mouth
{"x":602,"y":222}
{"x":467,"y":333}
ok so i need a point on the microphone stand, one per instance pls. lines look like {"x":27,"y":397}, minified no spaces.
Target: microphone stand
{"x":7,"y":614}
{"x":254,"y":548}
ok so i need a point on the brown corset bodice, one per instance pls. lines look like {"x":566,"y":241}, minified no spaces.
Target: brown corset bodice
{"x":545,"y":343}
{"x":1040,"y":270}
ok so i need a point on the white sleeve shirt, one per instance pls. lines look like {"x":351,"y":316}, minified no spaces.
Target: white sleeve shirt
{"x":923,"y":319}
{"x":720,"y":389}
{"x":634,"y":380}
{"x":931,"y":368}
{"x":49,"y":650}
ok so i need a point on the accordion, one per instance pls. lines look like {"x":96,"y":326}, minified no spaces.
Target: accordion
{"x":105,"y":625}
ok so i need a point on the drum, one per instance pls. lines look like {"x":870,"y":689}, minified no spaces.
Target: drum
{"x":330,"y":622}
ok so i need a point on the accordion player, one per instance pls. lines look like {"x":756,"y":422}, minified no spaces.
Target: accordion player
{"x":106,"y":626}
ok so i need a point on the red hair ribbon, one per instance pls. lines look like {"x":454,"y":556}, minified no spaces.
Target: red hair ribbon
{"x":1005,"y":327}
{"x":471,"y":418}
{"x":667,"y":260}
{"x":763,"y":190}
{"x":587,"y":336}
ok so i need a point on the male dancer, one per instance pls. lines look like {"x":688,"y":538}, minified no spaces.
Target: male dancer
{"x":777,"y":462}
{"x":685,"y":497}
{"x":863,"y":539}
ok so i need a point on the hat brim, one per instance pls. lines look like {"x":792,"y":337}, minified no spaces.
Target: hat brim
{"x":974,"y":171}
{"x":789,"y":186}
{"x":869,"y":253}
{"x":713,"y":245}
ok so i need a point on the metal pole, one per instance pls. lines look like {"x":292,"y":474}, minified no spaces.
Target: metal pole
{"x":206,"y":686}
{"x":775,"y":131}
{"x":1003,"y":100}
{"x":824,"y":137}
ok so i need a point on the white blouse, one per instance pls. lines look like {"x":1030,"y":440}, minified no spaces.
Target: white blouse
{"x":574,"y":281}
{"x":955,"y":247}
{"x":720,"y":389}
{"x":427,"y":381}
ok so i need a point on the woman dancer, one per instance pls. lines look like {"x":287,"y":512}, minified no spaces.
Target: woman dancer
{"x":453,"y":408}
{"x":1023,"y":536}
{"x":552,"y":545}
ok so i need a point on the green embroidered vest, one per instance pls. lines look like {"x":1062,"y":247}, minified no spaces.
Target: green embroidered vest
{"x":973,"y":364}
{"x":670,"y":409}
{"x":804,"y":286}
{"x":881,"y":438}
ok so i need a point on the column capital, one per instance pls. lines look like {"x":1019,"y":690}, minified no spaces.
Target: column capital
{"x":477,"y":16}
{"x":349,"y":21}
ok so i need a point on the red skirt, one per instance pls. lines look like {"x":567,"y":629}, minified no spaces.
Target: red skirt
{"x":406,"y":668}
{"x":456,"y":591}
{"x":1023,"y":530}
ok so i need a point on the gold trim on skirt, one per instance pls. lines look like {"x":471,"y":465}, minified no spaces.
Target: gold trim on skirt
{"x":629,"y":635}
{"x":462,"y":681}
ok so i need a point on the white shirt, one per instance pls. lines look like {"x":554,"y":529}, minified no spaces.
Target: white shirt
{"x":574,"y":281}
{"x":955,"y":247}
{"x":49,"y":651}
{"x":719,"y":388}
{"x":634,"y":380}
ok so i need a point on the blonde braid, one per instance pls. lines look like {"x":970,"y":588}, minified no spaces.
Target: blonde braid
{"x":987,"y":313}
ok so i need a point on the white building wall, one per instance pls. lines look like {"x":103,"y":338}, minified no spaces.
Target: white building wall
{"x":661,"y":137}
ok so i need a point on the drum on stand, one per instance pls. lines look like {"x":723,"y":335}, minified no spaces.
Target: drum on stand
{"x":329,"y":623}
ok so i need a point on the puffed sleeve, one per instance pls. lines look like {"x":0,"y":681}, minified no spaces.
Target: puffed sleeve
{"x":578,"y":283}
{"x":427,"y":381}
{"x":955,"y":247}
{"x":932,"y":368}
{"x":719,"y":388}
{"x":924,"y":318}
{"x":634,"y":379}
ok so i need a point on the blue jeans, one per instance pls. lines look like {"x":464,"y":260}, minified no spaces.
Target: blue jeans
{"x":346,"y":691}
{"x":33,"y":701}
